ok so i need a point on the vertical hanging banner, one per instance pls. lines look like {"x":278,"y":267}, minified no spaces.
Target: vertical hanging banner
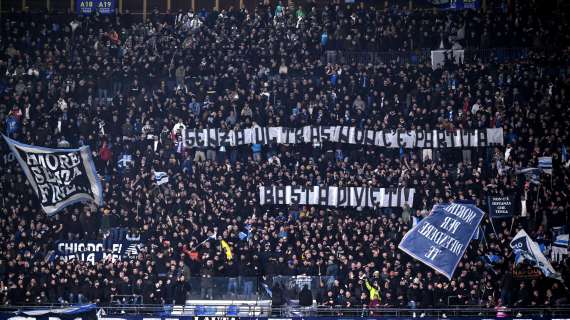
{"x":60,"y":177}
{"x":440,"y":239}
{"x":500,"y":207}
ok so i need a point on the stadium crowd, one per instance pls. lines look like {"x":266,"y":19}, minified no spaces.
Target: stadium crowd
{"x":125,"y":88}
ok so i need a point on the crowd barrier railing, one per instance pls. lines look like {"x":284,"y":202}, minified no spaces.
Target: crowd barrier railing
{"x":261,"y":310}
{"x":422,"y":56}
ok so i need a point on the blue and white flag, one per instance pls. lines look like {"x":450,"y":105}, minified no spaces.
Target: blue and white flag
{"x":59,"y":177}
{"x":440,"y":239}
{"x":160,"y":178}
{"x":525,"y":249}
{"x":545,"y":163}
{"x":531,"y":174}
{"x":124,"y":161}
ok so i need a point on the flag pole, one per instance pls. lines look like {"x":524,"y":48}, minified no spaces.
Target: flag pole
{"x":208,"y":238}
{"x":512,"y":224}
{"x":493,"y":226}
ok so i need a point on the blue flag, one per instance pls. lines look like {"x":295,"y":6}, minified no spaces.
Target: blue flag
{"x":525,"y":249}
{"x":440,"y":239}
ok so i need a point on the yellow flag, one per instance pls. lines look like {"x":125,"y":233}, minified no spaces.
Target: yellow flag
{"x":227,"y":249}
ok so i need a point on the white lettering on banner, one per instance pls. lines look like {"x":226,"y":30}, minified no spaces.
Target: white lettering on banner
{"x":432,"y":253}
{"x":501,"y":205}
{"x":59,"y":177}
{"x":54,"y":174}
{"x":450,"y":224}
{"x":75,"y":247}
{"x":216,"y":137}
{"x":440,"y":238}
{"x":336,"y":196}
{"x":97,"y":251}
{"x":461,"y":212}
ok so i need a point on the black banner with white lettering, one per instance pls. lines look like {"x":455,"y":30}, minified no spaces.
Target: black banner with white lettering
{"x":500,"y":207}
{"x":215,"y":137}
{"x":60,"y":177}
{"x":118,"y":245}
{"x":336,"y":196}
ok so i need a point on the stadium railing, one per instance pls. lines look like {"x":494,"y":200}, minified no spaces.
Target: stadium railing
{"x":252,"y":288}
{"x":315,"y":311}
{"x":422,"y":56}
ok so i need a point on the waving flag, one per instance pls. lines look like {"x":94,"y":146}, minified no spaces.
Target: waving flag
{"x":160,"y":178}
{"x":531,"y":174}
{"x":440,"y":240}
{"x":59,"y":177}
{"x":527,"y":250}
{"x":545,"y":163}
{"x":227,"y":249}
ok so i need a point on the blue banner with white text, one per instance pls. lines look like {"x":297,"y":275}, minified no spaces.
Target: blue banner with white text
{"x":83,"y":312}
{"x":440,"y":239}
{"x":5,"y":316}
{"x":456,"y":4}
{"x":95,"y":6}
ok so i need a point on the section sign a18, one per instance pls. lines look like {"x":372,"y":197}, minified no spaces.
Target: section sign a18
{"x":95,"y":6}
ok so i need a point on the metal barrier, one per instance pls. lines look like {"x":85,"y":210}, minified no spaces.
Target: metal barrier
{"x":423,"y":56}
{"x":366,"y":57}
{"x":261,"y":310}
{"x":252,"y":288}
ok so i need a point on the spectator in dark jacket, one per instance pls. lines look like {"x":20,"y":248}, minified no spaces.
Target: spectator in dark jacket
{"x":305,"y":297}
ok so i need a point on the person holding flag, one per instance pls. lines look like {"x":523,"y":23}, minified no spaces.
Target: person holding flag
{"x":373,"y":293}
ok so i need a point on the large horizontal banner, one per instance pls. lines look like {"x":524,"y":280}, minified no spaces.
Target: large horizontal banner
{"x":83,"y":312}
{"x":215,"y":137}
{"x":116,"y":246}
{"x":190,"y":317}
{"x":500,"y":207}
{"x":59,"y":177}
{"x":336,"y":196}
{"x":440,"y":239}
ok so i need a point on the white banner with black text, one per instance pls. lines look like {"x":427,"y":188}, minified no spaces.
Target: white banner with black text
{"x":215,"y":137}
{"x":359,"y":197}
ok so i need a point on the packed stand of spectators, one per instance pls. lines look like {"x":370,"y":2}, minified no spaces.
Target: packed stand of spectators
{"x":125,"y":88}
